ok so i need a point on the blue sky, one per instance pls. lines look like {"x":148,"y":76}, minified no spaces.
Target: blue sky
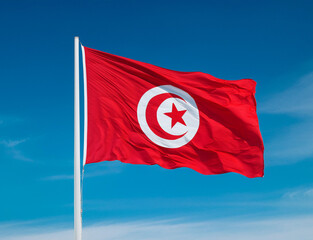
{"x":268,"y":41}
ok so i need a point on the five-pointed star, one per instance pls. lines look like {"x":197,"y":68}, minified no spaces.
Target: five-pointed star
{"x":177,"y":116}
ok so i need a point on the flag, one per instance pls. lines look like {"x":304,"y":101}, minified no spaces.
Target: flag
{"x":143,"y":114}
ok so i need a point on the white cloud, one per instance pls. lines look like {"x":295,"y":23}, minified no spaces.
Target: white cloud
{"x":300,"y":194}
{"x":283,"y":228}
{"x":59,"y":177}
{"x":291,"y":145}
{"x":18,"y":155}
{"x":11,"y":148}
{"x":295,"y":143}
{"x":12,"y":143}
{"x":91,"y":171}
{"x":297,"y":100}
{"x":244,"y":227}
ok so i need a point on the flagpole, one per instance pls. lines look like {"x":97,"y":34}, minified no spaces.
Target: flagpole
{"x":77,"y":178}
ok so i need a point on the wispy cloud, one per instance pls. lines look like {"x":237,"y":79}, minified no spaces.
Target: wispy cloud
{"x":300,"y":194}
{"x":243,"y":227}
{"x":295,"y":200}
{"x":19,"y":155}
{"x":89,"y":172}
{"x":59,"y":177}
{"x":11,"y":149}
{"x":297,"y":100}
{"x":283,"y":228}
{"x":291,"y":145}
{"x":295,"y":143}
{"x":12,"y":143}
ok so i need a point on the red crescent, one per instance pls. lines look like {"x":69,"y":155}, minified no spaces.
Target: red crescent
{"x":151,"y":115}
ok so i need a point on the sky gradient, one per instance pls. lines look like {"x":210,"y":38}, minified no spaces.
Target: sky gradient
{"x":268,"y":41}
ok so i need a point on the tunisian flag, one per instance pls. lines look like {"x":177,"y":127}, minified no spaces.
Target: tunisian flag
{"x":143,"y":114}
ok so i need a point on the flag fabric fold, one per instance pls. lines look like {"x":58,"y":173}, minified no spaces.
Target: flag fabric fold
{"x":143,"y":114}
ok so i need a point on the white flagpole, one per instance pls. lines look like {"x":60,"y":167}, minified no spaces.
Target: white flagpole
{"x":77,"y":182}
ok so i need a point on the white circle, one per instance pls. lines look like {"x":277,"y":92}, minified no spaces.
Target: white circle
{"x":191,"y":117}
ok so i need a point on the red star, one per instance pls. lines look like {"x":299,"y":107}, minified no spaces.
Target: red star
{"x":176,"y":116}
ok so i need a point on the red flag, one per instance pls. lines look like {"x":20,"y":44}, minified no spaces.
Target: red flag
{"x":143,"y":114}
